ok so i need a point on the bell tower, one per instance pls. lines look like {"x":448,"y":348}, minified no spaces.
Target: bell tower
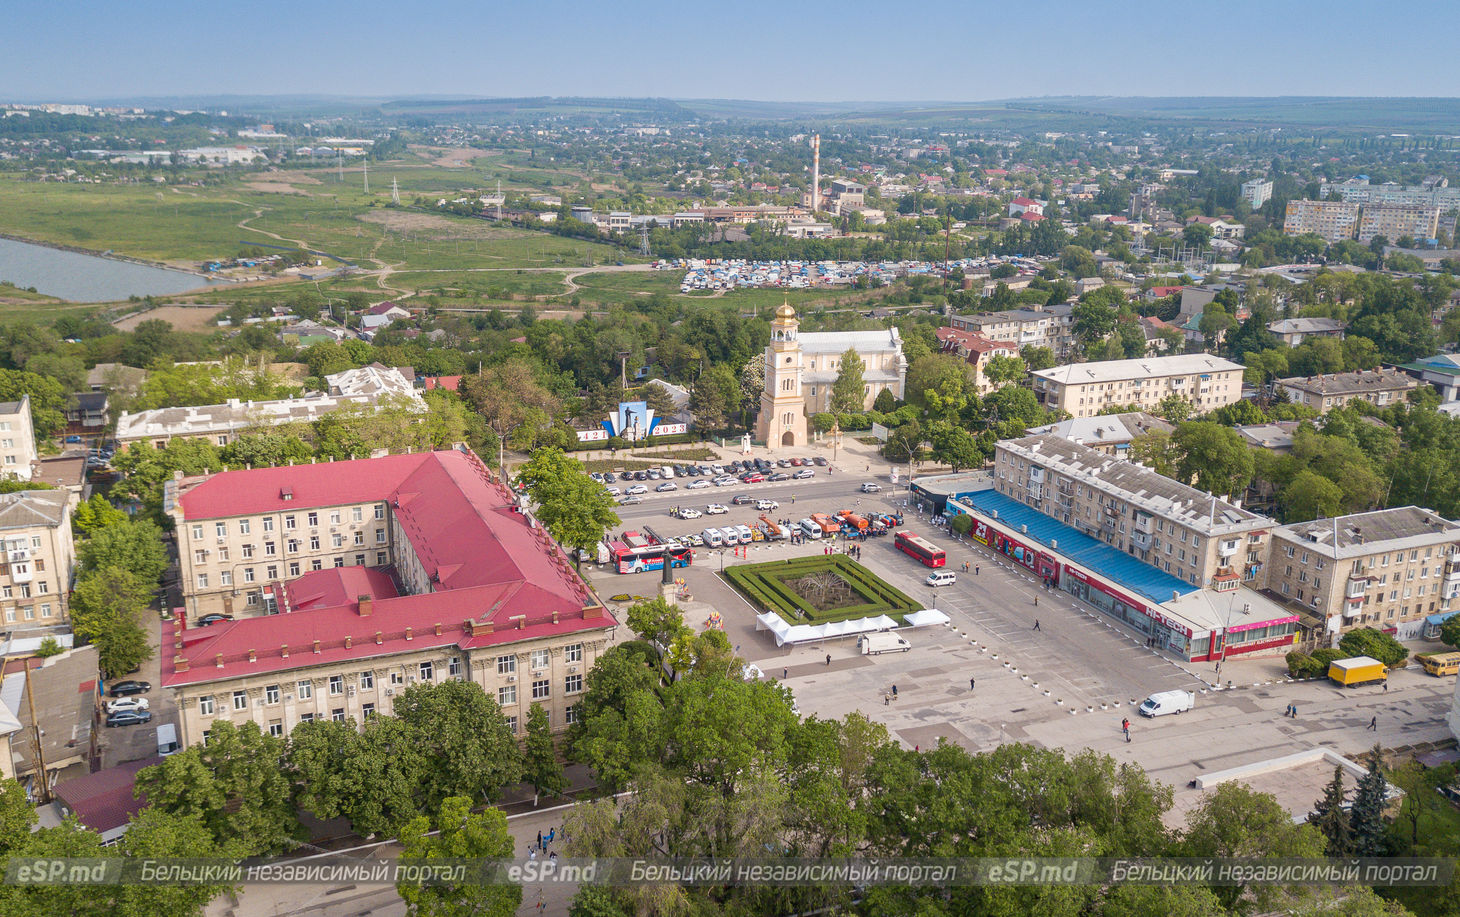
{"x":782,"y":420}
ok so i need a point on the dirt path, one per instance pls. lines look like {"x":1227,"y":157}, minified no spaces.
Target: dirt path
{"x":243,"y":224}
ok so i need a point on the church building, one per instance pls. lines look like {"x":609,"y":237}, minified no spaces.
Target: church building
{"x":800,"y":370}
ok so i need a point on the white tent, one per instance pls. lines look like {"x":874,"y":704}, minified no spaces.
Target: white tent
{"x":807,"y":633}
{"x":925,"y":617}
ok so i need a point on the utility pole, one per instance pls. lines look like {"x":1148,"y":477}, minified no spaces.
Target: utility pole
{"x":367,"y":175}
{"x":42,"y":778}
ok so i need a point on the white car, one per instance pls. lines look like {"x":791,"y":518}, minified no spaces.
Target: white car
{"x":803,"y":474}
{"x":767,"y":504}
{"x":726,"y":481}
{"x":612,"y":491}
{"x":637,"y":489}
{"x":716,"y":509}
{"x":690,"y":514}
{"x":666,"y":487}
{"x":126,"y":703}
{"x":699,"y":485}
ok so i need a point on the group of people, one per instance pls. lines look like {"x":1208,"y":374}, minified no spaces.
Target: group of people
{"x":543,"y":842}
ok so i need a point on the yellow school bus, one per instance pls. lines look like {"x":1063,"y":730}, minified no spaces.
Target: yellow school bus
{"x":1441,"y":664}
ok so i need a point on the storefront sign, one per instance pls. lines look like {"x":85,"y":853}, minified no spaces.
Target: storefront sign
{"x":980,"y":532}
{"x":1238,"y":628}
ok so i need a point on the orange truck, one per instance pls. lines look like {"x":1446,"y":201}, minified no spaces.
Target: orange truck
{"x":852,"y":519}
{"x":828,"y":525}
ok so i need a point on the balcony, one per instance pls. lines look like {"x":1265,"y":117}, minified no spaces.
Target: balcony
{"x":1353,"y":609}
{"x":21,"y":573}
{"x":17,"y":555}
{"x":1357,"y":586}
{"x":1036,"y":475}
{"x":1228,"y":546}
{"x":1066,"y":487}
{"x":1142,"y":540}
{"x":1143,"y":522}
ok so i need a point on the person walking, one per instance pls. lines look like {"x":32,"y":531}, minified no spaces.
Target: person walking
{"x":975,"y":569}
{"x":1036,"y":605}
{"x":886,"y":699}
{"x":828,"y":658}
{"x":1373,"y":724}
{"x":1036,"y":624}
{"x":785,"y":673}
{"x":1125,"y":727}
{"x":1386,"y":685}
{"x":539,"y":840}
{"x":894,"y":691}
{"x":970,"y":684}
{"x":552,"y":833}
{"x":1295,"y":711}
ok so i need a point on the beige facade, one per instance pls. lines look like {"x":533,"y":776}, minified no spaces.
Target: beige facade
{"x":1083,"y":389}
{"x":226,"y":563}
{"x":549,"y":671}
{"x":17,"y":440}
{"x":1391,"y":221}
{"x":1039,"y":326}
{"x":39,"y":561}
{"x":1379,"y":387}
{"x":1333,"y":220}
{"x":1191,"y":535}
{"x":1385,"y":569}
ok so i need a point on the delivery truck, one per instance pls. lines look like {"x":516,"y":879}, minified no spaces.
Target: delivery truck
{"x":1164,"y":702}
{"x":882,"y":642}
{"x":1357,"y":670}
{"x":828,"y":525}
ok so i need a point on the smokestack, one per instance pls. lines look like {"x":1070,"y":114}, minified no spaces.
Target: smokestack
{"x":815,"y":173}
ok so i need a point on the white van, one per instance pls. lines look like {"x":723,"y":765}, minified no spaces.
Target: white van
{"x":667,"y":471}
{"x":745,"y":534}
{"x":731,"y":536}
{"x":941,"y":578}
{"x":875,"y":644}
{"x":167,"y":740}
{"x":713,"y":538}
{"x":810,"y":529}
{"x":1164,"y":702}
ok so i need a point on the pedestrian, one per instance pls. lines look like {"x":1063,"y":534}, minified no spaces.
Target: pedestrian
{"x":975,"y":569}
{"x":970,"y":684}
{"x":1036,"y":605}
{"x":785,"y":673}
{"x":539,"y":839}
{"x":532,"y":854}
{"x":1127,"y":735}
{"x":552,"y":833}
{"x":1036,"y":624}
{"x":793,"y":499}
{"x":1373,"y":724}
{"x":553,"y":855}
{"x":828,"y":658}
{"x":917,"y":749}
{"x":1386,"y":685}
{"x":886,"y":699}
{"x":894,"y":690}
{"x":1295,"y":710}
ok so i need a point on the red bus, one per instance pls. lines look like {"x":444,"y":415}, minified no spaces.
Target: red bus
{"x":927,"y":554}
{"x":628,"y":559}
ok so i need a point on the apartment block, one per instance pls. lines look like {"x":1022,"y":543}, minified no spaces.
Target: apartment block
{"x":17,"y":440}
{"x":1388,"y":569}
{"x":1037,"y":326}
{"x":454,"y":580}
{"x":1193,"y":536}
{"x":39,"y":560}
{"x":1083,"y":389}
{"x":1256,"y":192}
{"x":1391,"y":221}
{"x":1333,"y":220}
{"x":1379,"y":387}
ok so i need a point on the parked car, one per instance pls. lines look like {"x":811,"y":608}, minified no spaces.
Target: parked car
{"x":637,"y":489}
{"x":126,"y":703}
{"x":820,"y":460}
{"x":596,"y":476}
{"x":655,"y":474}
{"x":803,"y":474}
{"x":612,"y":491}
{"x":716,"y":509}
{"x":743,"y":499}
{"x":630,"y":500}
{"x":208,"y":620}
{"x":128,"y":688}
{"x":725,"y":481}
{"x":128,"y":718}
{"x":608,"y":477}
{"x":941,"y":578}
{"x":784,"y":463}
{"x":754,"y":477}
{"x":699,"y":485}
{"x":767,"y":504}
{"x":779,"y":476}
{"x":666,"y":487}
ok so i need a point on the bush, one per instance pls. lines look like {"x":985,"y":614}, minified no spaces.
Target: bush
{"x":49,"y":647}
{"x":1365,"y":641}
{"x":1301,"y":665}
{"x":1325,"y":656}
{"x":961,"y":524}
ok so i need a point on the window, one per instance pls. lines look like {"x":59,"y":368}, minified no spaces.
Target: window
{"x":367,"y":711}
{"x":305,"y":690}
{"x":338,"y":714}
{"x":248,"y":552}
{"x":289,"y":523}
{"x":512,"y":724}
{"x":359,"y":537}
{"x":540,"y":689}
{"x":270,"y":549}
{"x":380,"y":558}
{"x":570,"y":714}
{"x":453,"y":666}
{"x":428,"y":671}
{"x":335,"y":517}
{"x":396,"y":678}
{"x":380,"y":536}
{"x":268,"y":523}
{"x":197,"y":532}
{"x":220,"y":529}
{"x":573,"y":653}
{"x":272,"y":571}
{"x":314,"y":542}
{"x":337,"y":540}
{"x":380,"y":511}
{"x":506,"y":665}
{"x":200,"y":556}
{"x":506,"y":695}
{"x":293,"y":568}
{"x":205,"y":706}
{"x":225,"y":578}
{"x":240,"y":700}
{"x":202,"y":581}
{"x":248,"y":574}
{"x":276,"y":727}
{"x":339,"y":562}
{"x":541,"y":659}
{"x":253,"y":597}
{"x":243,"y":527}
{"x":271,"y":694}
{"x":306,"y":717}
{"x":573,"y":684}
{"x":46,"y":608}
{"x":337,"y":685}
{"x":359,"y":560}
{"x":357,"y":514}
{"x":223,"y":553}
{"x":367,"y":681}
{"x":311,"y":519}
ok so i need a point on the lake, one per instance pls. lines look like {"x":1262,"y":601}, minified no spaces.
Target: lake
{"x":87,"y":278}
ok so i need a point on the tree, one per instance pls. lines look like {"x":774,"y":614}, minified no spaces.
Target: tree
{"x":235,"y":784}
{"x":462,"y":836}
{"x":106,"y":609}
{"x":657,"y":621}
{"x":514,"y":404}
{"x":1329,"y":817}
{"x":155,"y":833}
{"x":48,"y":399}
{"x":937,"y":381}
{"x":1173,"y":408}
{"x":904,"y":443}
{"x":574,"y":508}
{"x":1236,"y":821}
{"x":848,"y":392}
{"x":1093,"y":320}
{"x":1037,"y":358}
{"x":1156,"y":451}
{"x":618,"y":712}
{"x":1450,"y":631}
{"x":1003,"y":370}
{"x":540,"y":764}
{"x":1213,"y":458}
{"x":467,"y":746}
{"x":135,"y":546}
{"x":17,"y":816}
{"x":1366,"y":641}
{"x":1310,"y":495}
{"x":1197,"y":235}
{"x":885,"y":402}
{"x":955,"y":446}
{"x":96,"y":513}
{"x":714,"y":395}
{"x":1367,"y":812}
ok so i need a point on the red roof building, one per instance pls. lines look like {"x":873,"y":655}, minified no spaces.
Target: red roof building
{"x":351,"y":580}
{"x":976,"y":348}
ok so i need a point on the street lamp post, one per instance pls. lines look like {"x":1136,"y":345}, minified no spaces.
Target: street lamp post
{"x":836,"y":437}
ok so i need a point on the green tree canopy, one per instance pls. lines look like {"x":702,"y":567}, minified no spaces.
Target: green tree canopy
{"x":574,"y":508}
{"x":848,"y":392}
{"x":459,"y":834}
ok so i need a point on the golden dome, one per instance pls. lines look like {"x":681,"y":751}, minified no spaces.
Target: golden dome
{"x":785,"y":313}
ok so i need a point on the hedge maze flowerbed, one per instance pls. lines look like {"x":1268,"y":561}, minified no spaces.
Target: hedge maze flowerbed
{"x":819,"y":589}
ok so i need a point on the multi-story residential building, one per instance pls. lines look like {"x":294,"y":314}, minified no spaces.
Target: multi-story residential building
{"x":1333,"y":220}
{"x":1293,"y":331}
{"x":1379,"y":387}
{"x":455,"y":580}
{"x":1388,"y":569}
{"x":977,"y":350}
{"x":1083,"y":389}
{"x":39,"y":561}
{"x":1257,"y":192}
{"x":1419,"y":221}
{"x":1037,"y":326}
{"x":221,"y":424}
{"x":17,"y":440}
{"x":1111,"y":434}
{"x":1358,"y":190}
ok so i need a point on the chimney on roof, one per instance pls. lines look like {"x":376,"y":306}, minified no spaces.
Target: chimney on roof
{"x":179,"y":663}
{"x":379,"y":638}
{"x":365,"y":605}
{"x":316,"y":647}
{"x":284,"y":651}
{"x":349,"y":642}
{"x":218,"y":660}
{"x":1175,"y":595}
{"x":409,"y":635}
{"x":555,"y":616}
{"x":438,"y":629}
{"x":591,"y":612}
{"x":253,"y":656}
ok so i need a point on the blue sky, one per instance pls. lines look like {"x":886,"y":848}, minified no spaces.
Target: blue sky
{"x":749,"y":49}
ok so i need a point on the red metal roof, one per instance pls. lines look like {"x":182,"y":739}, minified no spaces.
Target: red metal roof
{"x":103,"y":800}
{"x":450,"y":383}
{"x":1031,"y":217}
{"x":1024,"y":201}
{"x":488,"y":565}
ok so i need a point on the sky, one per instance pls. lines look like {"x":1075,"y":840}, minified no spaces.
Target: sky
{"x":792,"y":50}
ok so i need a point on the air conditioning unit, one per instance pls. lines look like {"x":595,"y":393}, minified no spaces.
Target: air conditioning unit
{"x":288,"y":698}
{"x":350,"y":692}
{"x":572,"y":669}
{"x":411,"y":679}
{"x":511,"y":677}
{"x":223,"y":539}
{"x":390,"y":692}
